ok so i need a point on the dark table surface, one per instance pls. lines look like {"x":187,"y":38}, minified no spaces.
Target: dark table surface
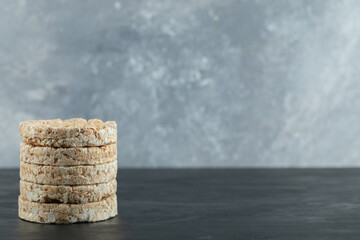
{"x":210,"y":204}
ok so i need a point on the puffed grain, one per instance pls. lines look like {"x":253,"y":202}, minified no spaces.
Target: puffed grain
{"x":68,"y":156}
{"x":68,"y":175}
{"x":67,"y":213}
{"x":66,"y":194}
{"x":76,"y":132}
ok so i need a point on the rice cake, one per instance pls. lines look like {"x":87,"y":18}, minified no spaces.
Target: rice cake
{"x":68,"y":156}
{"x":62,"y":213}
{"x":68,"y":175}
{"x":76,"y":132}
{"x":66,"y":194}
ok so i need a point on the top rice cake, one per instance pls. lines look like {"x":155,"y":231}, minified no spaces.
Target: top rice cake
{"x":76,"y":132}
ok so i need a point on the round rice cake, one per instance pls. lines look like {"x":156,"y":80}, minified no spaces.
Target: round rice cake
{"x":68,"y":156}
{"x":76,"y":132}
{"x":62,"y":213}
{"x":68,"y":175}
{"x":66,"y":194}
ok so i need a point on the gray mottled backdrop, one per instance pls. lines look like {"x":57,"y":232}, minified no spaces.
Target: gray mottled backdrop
{"x":190,"y":83}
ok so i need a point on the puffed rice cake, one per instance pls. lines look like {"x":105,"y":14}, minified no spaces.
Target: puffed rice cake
{"x":68,"y":175}
{"x":68,"y":156}
{"x":67,"y":213}
{"x":66,"y":194}
{"x":75,"y":132}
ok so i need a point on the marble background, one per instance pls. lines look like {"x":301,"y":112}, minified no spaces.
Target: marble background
{"x":190,"y":83}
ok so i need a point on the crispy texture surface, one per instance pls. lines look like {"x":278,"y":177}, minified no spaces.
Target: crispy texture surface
{"x":75,"y":132}
{"x":68,"y":156}
{"x":66,"y":194}
{"x":67,"y":213}
{"x":68,"y":175}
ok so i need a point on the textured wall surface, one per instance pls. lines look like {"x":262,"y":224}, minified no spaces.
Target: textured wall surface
{"x":190,"y":83}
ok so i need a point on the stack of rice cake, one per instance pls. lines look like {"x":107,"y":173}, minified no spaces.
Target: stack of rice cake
{"x":68,"y":170}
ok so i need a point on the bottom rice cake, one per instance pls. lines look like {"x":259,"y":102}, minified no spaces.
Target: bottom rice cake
{"x":66,"y":194}
{"x":62,"y":213}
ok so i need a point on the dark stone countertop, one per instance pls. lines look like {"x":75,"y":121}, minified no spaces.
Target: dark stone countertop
{"x":210,"y":204}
